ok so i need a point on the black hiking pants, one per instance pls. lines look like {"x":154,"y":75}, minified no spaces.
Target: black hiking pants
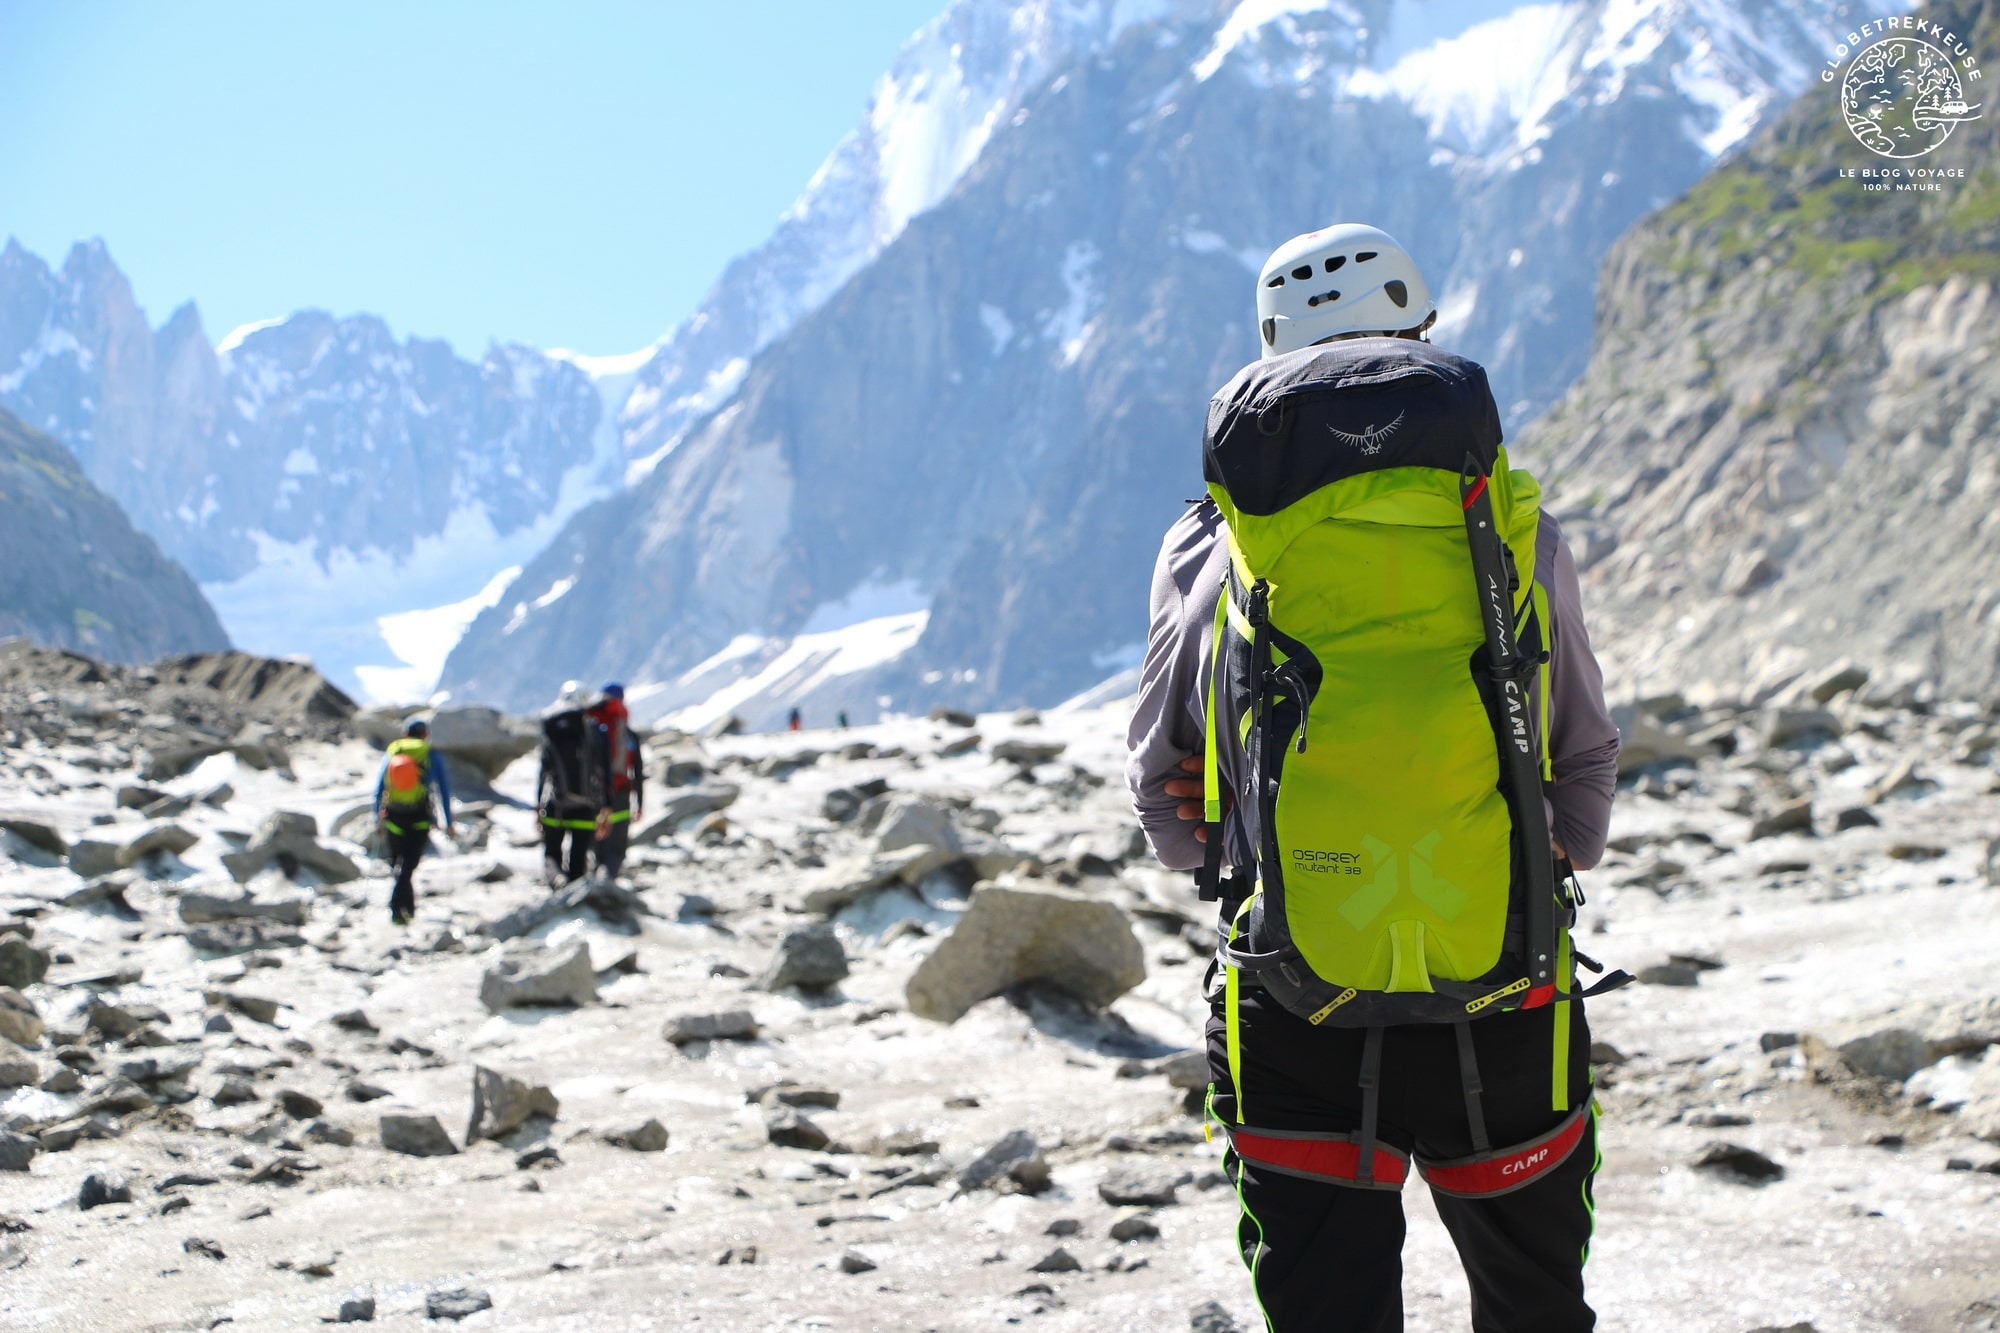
{"x":409,"y":838}
{"x":1326,"y":1256}
{"x":578,"y":825}
{"x":611,"y":847}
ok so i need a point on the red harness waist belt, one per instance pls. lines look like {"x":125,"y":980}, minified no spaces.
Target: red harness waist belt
{"x":1337,"y":1158}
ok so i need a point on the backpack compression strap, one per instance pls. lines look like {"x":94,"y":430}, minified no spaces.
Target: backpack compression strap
{"x":1509,"y":669}
{"x":1208,"y":886}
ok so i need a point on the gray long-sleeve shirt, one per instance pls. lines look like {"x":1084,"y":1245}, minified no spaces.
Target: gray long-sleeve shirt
{"x":1168,"y":725}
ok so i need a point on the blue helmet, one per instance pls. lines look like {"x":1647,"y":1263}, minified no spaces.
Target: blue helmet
{"x":612,"y":690}
{"x":418,"y":728}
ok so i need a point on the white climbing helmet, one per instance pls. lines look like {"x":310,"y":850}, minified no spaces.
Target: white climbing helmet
{"x":1347,"y":278}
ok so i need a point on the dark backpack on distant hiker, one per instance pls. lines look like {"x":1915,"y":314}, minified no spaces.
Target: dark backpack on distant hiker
{"x":1378,"y":648}
{"x":572,"y":761}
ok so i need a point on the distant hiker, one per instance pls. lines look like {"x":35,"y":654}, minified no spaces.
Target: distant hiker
{"x":628,"y":775}
{"x":411,"y":771}
{"x":841,"y":717}
{"x":1367,"y":747}
{"x":573,"y":793}
{"x":793,"y":723}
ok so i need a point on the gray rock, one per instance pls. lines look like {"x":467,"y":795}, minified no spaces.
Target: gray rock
{"x":502,"y":1103}
{"x":647,"y":1136}
{"x":19,"y":1021}
{"x":1669,"y":974}
{"x":202,"y":908}
{"x":356,"y":1310}
{"x":252,"y":1006}
{"x":1897,"y":1044}
{"x":1777,"y":1041}
{"x":913,"y":821}
{"x":1645,"y":741}
{"x":299,"y":1105}
{"x":789,"y":1127}
{"x":1841,"y":678}
{"x":360,"y":1091}
{"x":288,"y":836}
{"x":160,"y":1068}
{"x":325,"y":1131}
{"x":65,"y":1134}
{"x":1124,"y":1186}
{"x":733,"y":1025}
{"x":1058,"y":1260}
{"x":17,"y":1151}
{"x":226,"y":938}
{"x":1717,"y":1120}
{"x":133,"y":796}
{"x":1796,"y":817}
{"x":1782,"y":726}
{"x":684,"y":807}
{"x":90,"y":858}
{"x":1856,"y":816}
{"x":1210,"y":1317}
{"x":354,"y":1020}
{"x":809,"y":957}
{"x":415,"y":1135}
{"x":1018,"y":1152}
{"x":1026,"y":752}
{"x":18,"y":1071}
{"x":1135,"y":1226}
{"x":171,"y":807}
{"x":455,"y":1303}
{"x":1902,"y":780}
{"x":531,"y":974}
{"x":840,"y":805}
{"x":162,"y":838}
{"x":481,"y":738}
{"x":219,"y":795}
{"x":1733,"y":1161}
{"x":99,"y":1190}
{"x":35,"y":832}
{"x":854,"y":1261}
{"x":952,"y":717}
{"x":840,"y":886}
{"x":21,"y":963}
{"x":1991,"y":868}
{"x":1082,"y":945}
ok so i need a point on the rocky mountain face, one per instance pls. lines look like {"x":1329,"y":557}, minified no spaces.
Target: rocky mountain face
{"x":74,"y":573}
{"x":948,"y":481}
{"x":310,"y":444}
{"x":1782,"y":452}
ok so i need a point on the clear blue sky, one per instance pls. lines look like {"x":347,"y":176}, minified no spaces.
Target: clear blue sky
{"x":566,"y":174}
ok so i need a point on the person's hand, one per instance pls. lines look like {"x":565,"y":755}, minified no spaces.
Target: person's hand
{"x":1193,"y":791}
{"x":603,"y":823}
{"x":1557,"y":848}
{"x":382,"y":814}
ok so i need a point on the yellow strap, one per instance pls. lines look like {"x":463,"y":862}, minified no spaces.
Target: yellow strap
{"x":1211,"y":781}
{"x":1232,"y":1010}
{"x":1559,"y":1064}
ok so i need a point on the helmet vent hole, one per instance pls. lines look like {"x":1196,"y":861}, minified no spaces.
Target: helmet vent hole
{"x":1277,"y":281}
{"x":1270,"y":333}
{"x":1303,"y":271}
{"x":1333,"y":264}
{"x":1322,"y":298}
{"x":1398,"y":292}
{"x":1364,"y":256}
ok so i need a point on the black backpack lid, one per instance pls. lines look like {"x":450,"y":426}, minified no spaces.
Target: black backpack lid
{"x":1283,"y":428}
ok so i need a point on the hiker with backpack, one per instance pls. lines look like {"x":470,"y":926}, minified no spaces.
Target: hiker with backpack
{"x":411,"y":772}
{"x":1371,"y":721}
{"x":628,"y":775}
{"x":572,"y":793}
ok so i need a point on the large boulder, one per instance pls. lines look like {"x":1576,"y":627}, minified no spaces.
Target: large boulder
{"x":912,"y":821}
{"x":21,"y":963}
{"x":35,"y":831}
{"x":156,"y":838}
{"x":280,"y":690}
{"x":684,"y":806}
{"x":93,"y":858}
{"x":415,"y":1135}
{"x":19,"y":1021}
{"x":1644,"y":740}
{"x":529,"y":973}
{"x":502,"y":1103}
{"x":483,"y":738}
{"x":1009,"y":934}
{"x":810,"y":957}
{"x":1897,"y":1044}
{"x":291,"y":840}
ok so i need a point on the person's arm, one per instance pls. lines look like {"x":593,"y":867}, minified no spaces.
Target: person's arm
{"x":1583,"y":741}
{"x":441,"y":779}
{"x":1166,"y":723}
{"x":638,"y":778}
{"x":381,"y":780}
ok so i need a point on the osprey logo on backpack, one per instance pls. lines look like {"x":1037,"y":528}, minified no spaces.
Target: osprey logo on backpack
{"x":1370,"y":441}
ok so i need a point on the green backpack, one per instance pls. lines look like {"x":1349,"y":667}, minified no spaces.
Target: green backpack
{"x":1377,"y":649}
